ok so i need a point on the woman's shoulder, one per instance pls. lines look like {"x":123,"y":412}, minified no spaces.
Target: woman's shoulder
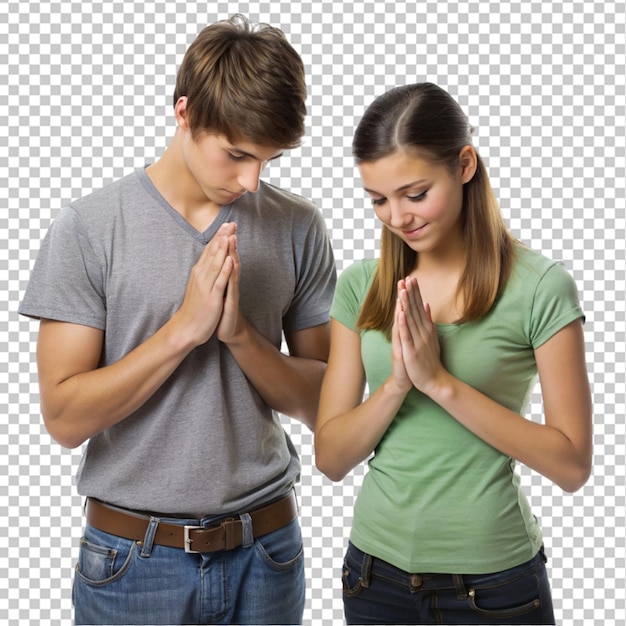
{"x":358,"y":276}
{"x":352,"y":286}
{"x":538,"y":282}
{"x":363,"y":269}
{"x":530,"y":266}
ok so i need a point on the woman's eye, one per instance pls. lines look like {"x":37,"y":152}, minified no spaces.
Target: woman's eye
{"x":418,"y":197}
{"x":378,"y":201}
{"x":235,"y":157}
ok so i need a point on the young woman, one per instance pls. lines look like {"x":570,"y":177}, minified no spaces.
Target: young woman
{"x":449,"y":329}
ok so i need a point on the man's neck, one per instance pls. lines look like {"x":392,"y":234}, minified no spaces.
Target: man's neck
{"x":174,"y":182}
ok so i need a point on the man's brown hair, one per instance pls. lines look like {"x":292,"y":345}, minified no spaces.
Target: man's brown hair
{"x":245,"y":82}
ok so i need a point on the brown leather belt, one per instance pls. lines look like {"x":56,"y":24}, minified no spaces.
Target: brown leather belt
{"x":226,"y":536}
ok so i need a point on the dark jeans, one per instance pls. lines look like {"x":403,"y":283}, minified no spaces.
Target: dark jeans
{"x":375,"y":592}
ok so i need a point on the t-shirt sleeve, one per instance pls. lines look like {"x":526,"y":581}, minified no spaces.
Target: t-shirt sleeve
{"x":351,"y":289}
{"x":317,"y":277}
{"x":66,"y":283}
{"x":555,"y":304}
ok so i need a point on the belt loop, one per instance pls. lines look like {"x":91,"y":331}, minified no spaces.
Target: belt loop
{"x":459,"y":586}
{"x":148,"y":540}
{"x":366,"y":570}
{"x":247,"y":533}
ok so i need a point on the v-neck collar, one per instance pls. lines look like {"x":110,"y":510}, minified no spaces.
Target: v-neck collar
{"x":201,"y":237}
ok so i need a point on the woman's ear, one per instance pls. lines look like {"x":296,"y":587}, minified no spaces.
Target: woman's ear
{"x":180,"y":112}
{"x":468,"y":162}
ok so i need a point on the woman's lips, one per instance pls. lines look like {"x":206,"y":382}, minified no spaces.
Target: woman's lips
{"x":415,"y":232}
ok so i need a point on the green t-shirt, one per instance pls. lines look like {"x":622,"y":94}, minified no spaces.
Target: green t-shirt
{"x":437,"y":498}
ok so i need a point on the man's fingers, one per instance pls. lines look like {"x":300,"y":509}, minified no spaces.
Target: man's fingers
{"x":224,"y":232}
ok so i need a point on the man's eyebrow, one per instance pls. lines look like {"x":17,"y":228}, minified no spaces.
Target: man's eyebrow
{"x":253,"y":156}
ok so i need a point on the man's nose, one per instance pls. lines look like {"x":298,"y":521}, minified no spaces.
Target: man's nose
{"x":250,"y":175}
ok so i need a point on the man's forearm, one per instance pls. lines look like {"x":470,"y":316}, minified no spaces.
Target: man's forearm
{"x":77,"y":406}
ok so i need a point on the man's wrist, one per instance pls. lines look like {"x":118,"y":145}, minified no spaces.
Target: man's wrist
{"x":239,"y":337}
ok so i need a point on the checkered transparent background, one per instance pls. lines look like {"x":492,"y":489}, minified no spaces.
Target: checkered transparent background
{"x":85,"y":91}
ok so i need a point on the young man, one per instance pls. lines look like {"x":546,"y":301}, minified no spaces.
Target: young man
{"x":163,"y":300}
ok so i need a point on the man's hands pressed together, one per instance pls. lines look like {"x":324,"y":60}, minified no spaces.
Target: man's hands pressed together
{"x":212,"y":288}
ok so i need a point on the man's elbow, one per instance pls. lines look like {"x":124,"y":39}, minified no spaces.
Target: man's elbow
{"x":64,"y":436}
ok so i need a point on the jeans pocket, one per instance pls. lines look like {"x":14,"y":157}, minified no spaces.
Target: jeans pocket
{"x":282,"y":549}
{"x":351,"y":579}
{"x":506,"y":601}
{"x":505,"y":613}
{"x":101,"y":562}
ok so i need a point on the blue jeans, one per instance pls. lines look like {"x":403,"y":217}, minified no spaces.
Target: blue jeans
{"x":120,"y":581}
{"x":376,"y":592}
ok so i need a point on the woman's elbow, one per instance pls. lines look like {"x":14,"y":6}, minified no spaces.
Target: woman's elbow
{"x":577,"y":478}
{"x":327,"y":464}
{"x":333,"y":473}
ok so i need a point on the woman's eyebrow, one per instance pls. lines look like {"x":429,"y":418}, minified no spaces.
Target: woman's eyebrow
{"x":421,"y":181}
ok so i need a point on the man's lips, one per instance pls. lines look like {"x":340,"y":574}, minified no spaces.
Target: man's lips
{"x":234,"y":195}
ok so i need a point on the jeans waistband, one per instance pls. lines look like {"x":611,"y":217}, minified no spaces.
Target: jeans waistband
{"x":227,"y":535}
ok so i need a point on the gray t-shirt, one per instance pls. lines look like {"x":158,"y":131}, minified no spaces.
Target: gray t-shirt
{"x":118,"y":260}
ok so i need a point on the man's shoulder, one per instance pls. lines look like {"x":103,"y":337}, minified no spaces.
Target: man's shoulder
{"x":109,"y":197}
{"x":283,"y":199}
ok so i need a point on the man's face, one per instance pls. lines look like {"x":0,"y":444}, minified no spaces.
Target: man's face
{"x":224,"y":170}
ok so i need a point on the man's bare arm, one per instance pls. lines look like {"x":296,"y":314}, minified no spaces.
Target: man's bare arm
{"x":80,"y":399}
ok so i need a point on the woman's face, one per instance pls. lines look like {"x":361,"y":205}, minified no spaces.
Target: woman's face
{"x":418,"y":200}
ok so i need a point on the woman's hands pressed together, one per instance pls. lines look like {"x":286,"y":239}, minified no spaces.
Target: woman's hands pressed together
{"x":415,"y":345}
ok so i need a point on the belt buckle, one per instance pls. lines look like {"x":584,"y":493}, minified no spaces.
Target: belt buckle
{"x":188,"y":540}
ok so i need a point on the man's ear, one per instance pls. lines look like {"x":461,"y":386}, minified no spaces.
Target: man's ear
{"x":468,"y":162}
{"x":180,"y":112}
